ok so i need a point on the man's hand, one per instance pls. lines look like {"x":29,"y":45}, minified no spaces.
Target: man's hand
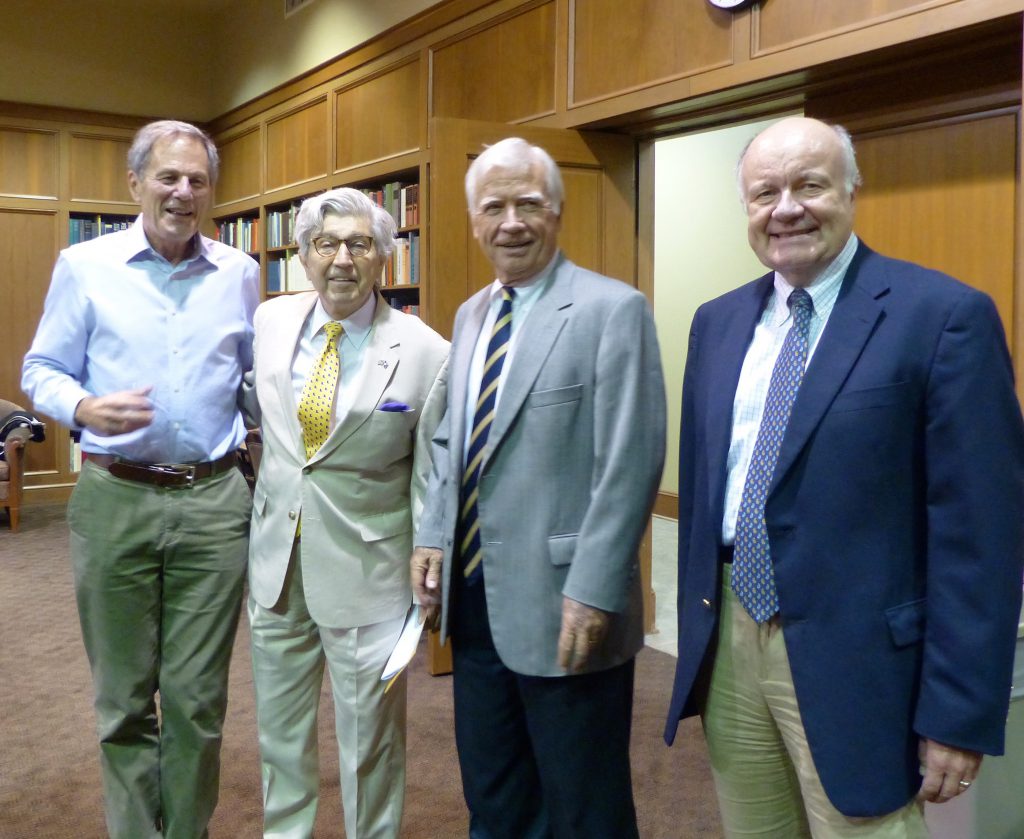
{"x":425,"y":568}
{"x":116,"y":413}
{"x":583,"y":630}
{"x":944,"y":768}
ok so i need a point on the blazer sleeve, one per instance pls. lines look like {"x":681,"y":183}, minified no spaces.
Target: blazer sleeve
{"x":430,"y":418}
{"x":629,"y":452}
{"x":974,"y":460}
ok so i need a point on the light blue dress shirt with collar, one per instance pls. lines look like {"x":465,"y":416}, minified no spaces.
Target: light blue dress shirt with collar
{"x":120,"y":316}
{"x":526,"y":295}
{"x":752,"y":388}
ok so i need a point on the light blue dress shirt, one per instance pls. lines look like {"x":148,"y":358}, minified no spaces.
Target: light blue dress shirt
{"x":119,"y":316}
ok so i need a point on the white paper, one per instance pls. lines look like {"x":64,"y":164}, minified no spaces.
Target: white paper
{"x":405,"y":648}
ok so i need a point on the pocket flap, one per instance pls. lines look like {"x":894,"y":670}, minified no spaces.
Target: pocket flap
{"x":561,"y":549}
{"x":907,"y":622}
{"x":385,"y":525}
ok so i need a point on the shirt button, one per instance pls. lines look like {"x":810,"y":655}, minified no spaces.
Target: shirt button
{"x":706,"y":603}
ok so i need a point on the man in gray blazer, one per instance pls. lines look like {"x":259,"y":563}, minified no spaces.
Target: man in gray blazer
{"x":545,"y":471}
{"x":333,"y":513}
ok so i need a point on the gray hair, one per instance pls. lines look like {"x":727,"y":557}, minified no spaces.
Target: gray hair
{"x":344,"y":201}
{"x":852,"y":170}
{"x":149,"y":135}
{"x":516,"y":154}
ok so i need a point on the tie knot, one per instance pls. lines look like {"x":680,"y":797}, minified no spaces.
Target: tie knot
{"x":801,"y":305}
{"x":333,"y":330}
{"x":507,"y":294}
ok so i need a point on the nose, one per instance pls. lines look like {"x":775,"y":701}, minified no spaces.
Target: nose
{"x":787,"y":207}
{"x":342,"y":257}
{"x":183,"y":186}
{"x":510,"y":215}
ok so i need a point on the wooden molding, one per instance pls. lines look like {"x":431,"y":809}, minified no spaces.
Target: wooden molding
{"x":667,"y":505}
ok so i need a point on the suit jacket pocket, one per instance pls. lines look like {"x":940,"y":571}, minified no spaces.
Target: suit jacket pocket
{"x":871,"y":397}
{"x":554,"y":396}
{"x":906,"y":622}
{"x":385,"y":525}
{"x":259,"y":500}
{"x":561,"y":549}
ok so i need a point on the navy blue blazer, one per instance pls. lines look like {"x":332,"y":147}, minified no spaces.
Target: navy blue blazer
{"x":895,"y":518}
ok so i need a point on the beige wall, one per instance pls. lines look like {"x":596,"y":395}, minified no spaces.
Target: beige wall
{"x":190,"y":59}
{"x":700,"y":248}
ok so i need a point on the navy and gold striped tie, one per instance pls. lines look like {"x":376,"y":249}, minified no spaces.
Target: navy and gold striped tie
{"x":471,"y":550}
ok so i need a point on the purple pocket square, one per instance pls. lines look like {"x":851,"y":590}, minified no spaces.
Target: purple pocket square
{"x":395,"y":407}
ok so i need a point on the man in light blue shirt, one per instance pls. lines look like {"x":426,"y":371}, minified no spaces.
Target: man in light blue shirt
{"x":142,"y":345}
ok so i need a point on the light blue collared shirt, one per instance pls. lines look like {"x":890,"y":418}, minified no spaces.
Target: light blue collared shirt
{"x":119,"y":316}
{"x":764,"y":349}
{"x":526,"y":295}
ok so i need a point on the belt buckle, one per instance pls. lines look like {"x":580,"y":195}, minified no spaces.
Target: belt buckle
{"x":179,"y":470}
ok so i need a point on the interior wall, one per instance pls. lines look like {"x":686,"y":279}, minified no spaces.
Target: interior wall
{"x":700,"y":248}
{"x":187,"y":59}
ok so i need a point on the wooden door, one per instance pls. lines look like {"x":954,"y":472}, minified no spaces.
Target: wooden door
{"x":598,"y":232}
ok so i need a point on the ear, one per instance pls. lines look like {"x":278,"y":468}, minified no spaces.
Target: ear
{"x":134,"y":187}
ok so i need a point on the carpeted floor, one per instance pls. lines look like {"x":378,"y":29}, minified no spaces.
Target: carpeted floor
{"x":49,"y":775}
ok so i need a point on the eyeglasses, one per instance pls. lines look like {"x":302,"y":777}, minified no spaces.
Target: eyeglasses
{"x":524,"y":208}
{"x":357,"y":245}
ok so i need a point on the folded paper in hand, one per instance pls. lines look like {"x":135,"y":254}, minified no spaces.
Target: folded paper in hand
{"x":405,"y":648}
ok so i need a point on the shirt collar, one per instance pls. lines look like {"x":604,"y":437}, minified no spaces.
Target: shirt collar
{"x":137,"y":246}
{"x":357,"y":325}
{"x":825,"y":286}
{"x":531,"y":288}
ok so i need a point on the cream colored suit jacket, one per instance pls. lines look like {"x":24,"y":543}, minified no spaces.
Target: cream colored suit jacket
{"x":360,"y":494}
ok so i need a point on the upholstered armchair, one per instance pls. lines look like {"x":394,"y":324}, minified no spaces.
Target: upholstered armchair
{"x":15,"y":433}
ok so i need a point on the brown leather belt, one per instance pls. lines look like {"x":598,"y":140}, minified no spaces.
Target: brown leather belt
{"x":168,"y":475}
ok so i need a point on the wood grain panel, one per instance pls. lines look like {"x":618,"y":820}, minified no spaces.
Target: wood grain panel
{"x":297,"y":145}
{"x":239,"y":167}
{"x":28,"y":163}
{"x":28,"y":246}
{"x":502,"y":73}
{"x":784,"y":22}
{"x":98,"y":167}
{"x":944,"y":196}
{"x":379,"y":117}
{"x":620,"y":45}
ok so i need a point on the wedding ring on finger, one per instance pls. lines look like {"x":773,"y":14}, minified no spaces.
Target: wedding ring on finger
{"x":964,"y":784}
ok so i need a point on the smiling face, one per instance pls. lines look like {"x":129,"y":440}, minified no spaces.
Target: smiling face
{"x":174,"y":193}
{"x":513,"y":221}
{"x":343,"y":281}
{"x":799,"y":209}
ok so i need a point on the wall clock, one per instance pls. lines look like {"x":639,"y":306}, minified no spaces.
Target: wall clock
{"x":732,"y":5}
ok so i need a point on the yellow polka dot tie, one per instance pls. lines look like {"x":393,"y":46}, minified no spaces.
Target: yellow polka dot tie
{"x":318,"y":393}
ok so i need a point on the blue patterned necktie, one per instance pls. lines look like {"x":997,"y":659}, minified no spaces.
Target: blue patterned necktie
{"x":471,"y":550}
{"x":753,"y":579}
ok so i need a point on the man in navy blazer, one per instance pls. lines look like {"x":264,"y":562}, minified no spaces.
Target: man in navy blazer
{"x":893,"y":520}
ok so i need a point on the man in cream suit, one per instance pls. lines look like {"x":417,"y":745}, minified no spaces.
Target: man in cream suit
{"x":332,"y":520}
{"x":545,"y":472}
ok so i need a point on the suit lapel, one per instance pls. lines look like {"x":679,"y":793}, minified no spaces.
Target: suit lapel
{"x":533,"y":344}
{"x":463,"y":345}
{"x":857,"y":311}
{"x":284,"y":354}
{"x":729,"y":348}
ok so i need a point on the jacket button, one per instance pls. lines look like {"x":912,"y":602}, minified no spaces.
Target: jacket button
{"x":706,"y":603}
{"x":292,"y":515}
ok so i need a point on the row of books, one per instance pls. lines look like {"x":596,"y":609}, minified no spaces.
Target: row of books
{"x":285,"y":273}
{"x":402,"y":201}
{"x":82,"y":229}
{"x":241,"y":233}
{"x":281,"y":227}
{"x":408,"y":309}
{"x":404,"y":266}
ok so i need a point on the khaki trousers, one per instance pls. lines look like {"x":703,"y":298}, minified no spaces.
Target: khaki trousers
{"x":289,"y":651}
{"x":158,"y":580}
{"x":764,"y":775}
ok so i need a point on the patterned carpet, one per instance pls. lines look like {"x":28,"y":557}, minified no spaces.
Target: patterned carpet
{"x":49,"y":775}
